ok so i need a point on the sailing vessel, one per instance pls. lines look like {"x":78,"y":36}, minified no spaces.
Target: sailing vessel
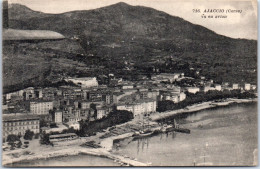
{"x":144,"y":132}
{"x":175,"y":127}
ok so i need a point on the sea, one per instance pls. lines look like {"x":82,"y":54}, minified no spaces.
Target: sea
{"x":221,"y":136}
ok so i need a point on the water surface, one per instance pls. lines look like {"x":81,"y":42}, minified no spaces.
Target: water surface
{"x":223,"y":136}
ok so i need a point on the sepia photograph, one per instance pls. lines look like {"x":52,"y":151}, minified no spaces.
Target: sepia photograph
{"x":122,"y":83}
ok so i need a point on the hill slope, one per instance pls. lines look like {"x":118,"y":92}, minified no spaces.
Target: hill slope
{"x":32,"y":57}
{"x":146,"y":38}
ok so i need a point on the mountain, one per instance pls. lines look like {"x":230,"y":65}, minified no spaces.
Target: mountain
{"x":146,"y":38}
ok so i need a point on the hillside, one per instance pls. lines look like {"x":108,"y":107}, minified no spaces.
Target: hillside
{"x":146,"y":38}
{"x":30,"y":59}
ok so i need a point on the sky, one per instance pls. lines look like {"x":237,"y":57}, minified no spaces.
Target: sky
{"x":236,"y":25}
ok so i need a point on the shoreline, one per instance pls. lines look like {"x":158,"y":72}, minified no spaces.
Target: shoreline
{"x":199,"y":107}
{"x":107,"y":143}
{"x":99,"y":152}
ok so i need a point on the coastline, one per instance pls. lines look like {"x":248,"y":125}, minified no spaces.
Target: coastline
{"x":199,"y":107}
{"x":107,"y":143}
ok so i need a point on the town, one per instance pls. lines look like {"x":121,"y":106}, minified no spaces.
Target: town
{"x":55,"y":109}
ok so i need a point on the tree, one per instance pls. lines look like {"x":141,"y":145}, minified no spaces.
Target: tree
{"x":45,"y":139}
{"x":19,"y":144}
{"x":43,"y":123}
{"x":113,"y":118}
{"x":53,"y":125}
{"x":12,"y":138}
{"x":28,"y":135}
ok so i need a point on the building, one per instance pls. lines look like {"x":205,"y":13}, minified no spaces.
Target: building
{"x":28,"y":94}
{"x":176,"y":97}
{"x":193,"y":89}
{"x":58,"y":116}
{"x":41,"y":107}
{"x":253,"y":87}
{"x":108,"y":98}
{"x":39,"y":93}
{"x":247,"y":86}
{"x":208,"y":88}
{"x":58,"y":138}
{"x":101,"y":112}
{"x":9,"y":96}
{"x":218,"y":87}
{"x":167,"y":77}
{"x":182,"y":96}
{"x":235,"y":86}
{"x":18,"y":123}
{"x":153,"y":94}
{"x":127,"y":86}
{"x":81,"y":104}
{"x":73,"y":124}
{"x":139,"y":107}
{"x":84,"y":82}
{"x":94,"y":96}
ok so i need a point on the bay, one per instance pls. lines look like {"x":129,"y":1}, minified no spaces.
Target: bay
{"x":223,"y":136}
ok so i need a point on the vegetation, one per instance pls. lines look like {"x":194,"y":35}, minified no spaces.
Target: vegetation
{"x":43,"y":123}
{"x":12,"y":138}
{"x":45,"y":139}
{"x":53,"y":125}
{"x":152,"y":45}
{"x":113,"y":118}
{"x":14,"y":141}
{"x":202,"y":97}
{"x":28,"y":135}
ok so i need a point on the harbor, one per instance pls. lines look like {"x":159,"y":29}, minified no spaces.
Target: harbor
{"x":107,"y":140}
{"x":234,"y":124}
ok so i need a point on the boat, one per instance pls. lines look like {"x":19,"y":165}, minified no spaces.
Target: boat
{"x":181,"y":130}
{"x":141,"y":134}
{"x":175,"y":127}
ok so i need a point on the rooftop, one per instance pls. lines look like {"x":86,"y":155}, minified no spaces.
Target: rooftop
{"x":81,"y":78}
{"x":19,"y":116}
{"x":62,"y":135}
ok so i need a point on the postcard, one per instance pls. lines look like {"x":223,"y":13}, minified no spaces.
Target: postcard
{"x":91,"y":83}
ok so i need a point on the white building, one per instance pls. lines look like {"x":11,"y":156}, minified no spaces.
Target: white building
{"x":127,"y":87}
{"x":167,"y":76}
{"x":208,"y":88}
{"x":74,"y":125}
{"x":18,"y":123}
{"x":253,"y":87}
{"x":247,"y":86}
{"x":193,"y":89}
{"x":84,"y":82}
{"x":41,"y":107}
{"x":182,"y":96}
{"x":235,"y":86}
{"x":17,"y":93}
{"x":58,"y":117}
{"x":101,"y":112}
{"x":139,"y":107}
{"x":218,"y":87}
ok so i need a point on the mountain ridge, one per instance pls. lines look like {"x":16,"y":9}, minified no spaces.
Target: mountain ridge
{"x":147,"y":38}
